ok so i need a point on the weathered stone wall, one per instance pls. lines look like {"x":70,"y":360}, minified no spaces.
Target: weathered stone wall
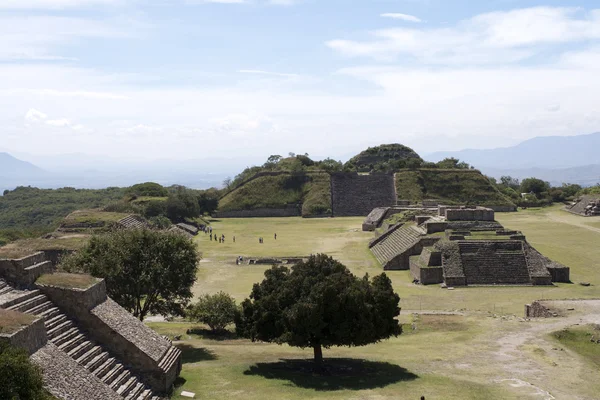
{"x":374,"y":219}
{"x":76,"y":302}
{"x":559,"y":273}
{"x":503,"y":208}
{"x":292,"y":210}
{"x":538,"y":310}
{"x":24,"y":271}
{"x":356,"y":195}
{"x":469,"y":214}
{"x":31,"y":337}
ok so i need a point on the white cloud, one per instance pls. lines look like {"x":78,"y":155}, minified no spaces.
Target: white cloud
{"x":54,"y":4}
{"x":36,"y":37}
{"x":491,"y":38}
{"x":261,"y":72}
{"x":34,"y":115}
{"x":402,"y":17}
{"x":62,"y":122}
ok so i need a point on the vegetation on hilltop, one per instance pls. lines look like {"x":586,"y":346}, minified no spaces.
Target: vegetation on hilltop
{"x":534,"y":192}
{"x":310,"y":190}
{"x":449,"y":185}
{"x":387,"y":157}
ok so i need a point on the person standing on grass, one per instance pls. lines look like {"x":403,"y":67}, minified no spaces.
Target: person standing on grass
{"x":234,"y":239}
{"x":211,"y":237}
{"x":275,"y":236}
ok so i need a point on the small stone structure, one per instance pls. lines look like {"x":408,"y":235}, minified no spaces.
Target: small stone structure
{"x":473,"y":251}
{"x":587,"y":206}
{"x":133,"y":221}
{"x":87,"y":345}
{"x":537,"y":309}
{"x":191,"y":229}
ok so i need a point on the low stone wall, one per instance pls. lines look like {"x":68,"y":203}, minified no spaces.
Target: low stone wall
{"x":288,"y":211}
{"x":76,"y":302}
{"x":374,"y":219}
{"x":503,"y":208}
{"x":559,"y":273}
{"x":436,"y":226}
{"x":538,"y":310}
{"x":24,"y":271}
{"x":357,"y":195}
{"x":31,"y":338}
{"x":469,"y":214}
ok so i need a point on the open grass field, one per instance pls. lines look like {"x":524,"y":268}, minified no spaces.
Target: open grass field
{"x":343,"y":239}
{"x":471,"y":343}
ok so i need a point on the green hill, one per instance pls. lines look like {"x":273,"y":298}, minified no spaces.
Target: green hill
{"x":387,"y":157}
{"x":274,"y":190}
{"x":453,"y":186}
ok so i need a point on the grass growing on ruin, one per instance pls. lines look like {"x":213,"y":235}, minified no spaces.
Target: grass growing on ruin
{"x":25,"y":247}
{"x":93,"y":217}
{"x":74,"y":281}
{"x":12,"y":321}
{"x":224,"y":368}
{"x":579,"y":339}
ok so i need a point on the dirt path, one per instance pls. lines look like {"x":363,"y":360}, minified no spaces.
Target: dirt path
{"x":536,"y":366}
{"x":564,"y":218}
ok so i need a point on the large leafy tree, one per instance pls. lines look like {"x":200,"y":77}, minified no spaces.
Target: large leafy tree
{"x":19,"y":378}
{"x":146,"y":271}
{"x":217,"y":311}
{"x":319,"y":303}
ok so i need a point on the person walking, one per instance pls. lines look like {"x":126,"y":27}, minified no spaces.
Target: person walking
{"x":275,"y":236}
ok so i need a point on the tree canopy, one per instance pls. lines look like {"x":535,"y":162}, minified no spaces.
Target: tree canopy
{"x":217,"y":311}
{"x":319,"y":303}
{"x":146,"y":272}
{"x":19,"y":378}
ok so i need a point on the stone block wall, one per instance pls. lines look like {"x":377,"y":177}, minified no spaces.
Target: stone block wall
{"x":24,"y":271}
{"x":292,"y":210}
{"x":76,"y":302}
{"x":356,"y":195}
{"x":559,"y":273}
{"x":374,"y":219}
{"x":538,"y":310}
{"x":31,"y":338}
{"x":469,"y":214}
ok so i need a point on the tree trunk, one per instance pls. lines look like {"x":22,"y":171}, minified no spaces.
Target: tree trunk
{"x":318,"y":358}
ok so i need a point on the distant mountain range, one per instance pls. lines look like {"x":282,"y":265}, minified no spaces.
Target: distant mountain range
{"x":556,"y":159}
{"x":553,"y":152}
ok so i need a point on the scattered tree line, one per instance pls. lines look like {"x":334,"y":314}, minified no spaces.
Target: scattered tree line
{"x":534,"y":192}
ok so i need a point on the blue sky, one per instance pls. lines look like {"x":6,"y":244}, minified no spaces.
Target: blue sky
{"x":182,"y":78}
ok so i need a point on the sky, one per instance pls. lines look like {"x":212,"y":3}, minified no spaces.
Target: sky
{"x":233,"y":78}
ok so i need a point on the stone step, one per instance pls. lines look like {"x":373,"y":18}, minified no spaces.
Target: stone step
{"x":37,"y":310}
{"x":73,"y":342}
{"x":145,"y":395}
{"x":114,"y":372}
{"x":97,"y":361}
{"x":136,"y":391}
{"x":105,"y":368}
{"x":65,"y":336}
{"x":80,"y":349}
{"x":6,"y":289}
{"x":59,"y":329}
{"x":120,"y":379}
{"x":128,"y":386}
{"x":89,"y":355}
{"x":169,"y":358}
{"x":25,"y":295}
{"x":55,"y":321}
{"x":50,"y":313}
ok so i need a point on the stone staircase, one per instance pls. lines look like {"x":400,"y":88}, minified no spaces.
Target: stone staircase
{"x":398,"y":242}
{"x":501,"y":263}
{"x":133,"y":222}
{"x":64,"y":333}
{"x":4,"y":287}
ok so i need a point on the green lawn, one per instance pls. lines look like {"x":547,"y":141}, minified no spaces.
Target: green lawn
{"x":579,"y":339}
{"x":342,"y":238}
{"x":446,"y":357}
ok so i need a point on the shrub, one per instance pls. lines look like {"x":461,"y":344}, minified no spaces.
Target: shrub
{"x":19,"y":378}
{"x":217,"y":311}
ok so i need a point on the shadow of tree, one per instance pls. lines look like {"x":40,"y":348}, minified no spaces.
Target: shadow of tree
{"x":191,"y":354}
{"x":341,"y":373}
{"x":209,"y":334}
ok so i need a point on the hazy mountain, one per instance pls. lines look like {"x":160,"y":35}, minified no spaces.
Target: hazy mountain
{"x":587,"y":175}
{"x":13,"y":167}
{"x":552,"y":152}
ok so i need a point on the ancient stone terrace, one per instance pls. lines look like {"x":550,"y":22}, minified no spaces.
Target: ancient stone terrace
{"x":480,"y":252}
{"x":394,"y":248}
{"x":88,"y":346}
{"x":133,"y":221}
{"x":587,"y":206}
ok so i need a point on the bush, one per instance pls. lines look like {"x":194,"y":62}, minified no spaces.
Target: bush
{"x":217,"y":311}
{"x":149,"y":189}
{"x":19,"y":378}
